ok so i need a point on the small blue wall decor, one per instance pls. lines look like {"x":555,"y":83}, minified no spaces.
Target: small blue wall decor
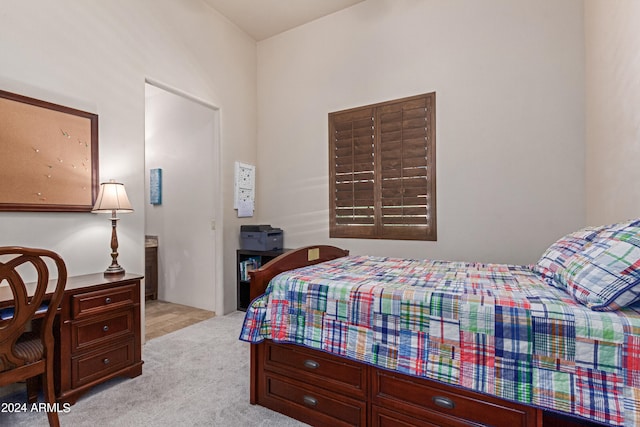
{"x":155,"y":186}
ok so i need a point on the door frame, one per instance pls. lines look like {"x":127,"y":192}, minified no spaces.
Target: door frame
{"x":217,"y":224}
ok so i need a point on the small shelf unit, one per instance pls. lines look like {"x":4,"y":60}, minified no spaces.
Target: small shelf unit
{"x":247,"y":260}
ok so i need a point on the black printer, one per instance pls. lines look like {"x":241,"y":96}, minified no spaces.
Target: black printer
{"x":261,"y":238}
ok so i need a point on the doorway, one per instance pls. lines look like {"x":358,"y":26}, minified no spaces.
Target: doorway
{"x":182,"y":141}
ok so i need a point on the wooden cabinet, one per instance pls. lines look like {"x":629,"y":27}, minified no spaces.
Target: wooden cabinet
{"x":325,"y":390}
{"x":99,"y":334}
{"x":151,"y":272}
{"x":151,"y":267}
{"x":246,"y":261}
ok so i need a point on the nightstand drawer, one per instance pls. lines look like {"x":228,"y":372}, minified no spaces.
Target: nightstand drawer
{"x":95,"y":365}
{"x":91,"y":303}
{"x":318,"y":368}
{"x":104,"y":328}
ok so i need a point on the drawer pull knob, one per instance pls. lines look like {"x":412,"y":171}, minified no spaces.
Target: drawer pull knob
{"x":107,"y":300}
{"x":106,"y":361}
{"x":444,"y":402}
{"x":311,"y":364}
{"x":105,"y":328}
{"x":310,"y":401}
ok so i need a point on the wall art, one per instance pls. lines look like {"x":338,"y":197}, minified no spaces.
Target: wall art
{"x":48,"y":156}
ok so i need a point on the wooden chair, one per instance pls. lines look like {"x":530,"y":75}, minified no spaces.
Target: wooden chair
{"x":25,"y":355}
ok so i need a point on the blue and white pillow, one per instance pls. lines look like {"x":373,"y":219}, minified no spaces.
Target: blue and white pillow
{"x":553,"y":261}
{"x":605,"y":274}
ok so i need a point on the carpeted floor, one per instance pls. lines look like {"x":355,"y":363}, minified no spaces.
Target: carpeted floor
{"x":197,"y":376}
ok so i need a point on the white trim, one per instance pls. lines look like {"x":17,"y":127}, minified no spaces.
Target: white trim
{"x":181,"y":93}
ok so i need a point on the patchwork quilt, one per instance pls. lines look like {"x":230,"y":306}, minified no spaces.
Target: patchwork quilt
{"x":493,"y":328}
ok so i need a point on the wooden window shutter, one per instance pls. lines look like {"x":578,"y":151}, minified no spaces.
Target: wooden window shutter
{"x":382,"y":170}
{"x":405,"y":153}
{"x":352,"y":173}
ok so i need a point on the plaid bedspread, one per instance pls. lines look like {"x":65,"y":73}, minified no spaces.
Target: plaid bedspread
{"x":493,"y":328}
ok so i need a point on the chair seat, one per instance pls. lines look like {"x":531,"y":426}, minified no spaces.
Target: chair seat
{"x":28,"y":347}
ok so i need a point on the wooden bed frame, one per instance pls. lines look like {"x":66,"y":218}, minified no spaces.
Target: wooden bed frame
{"x":322,"y":389}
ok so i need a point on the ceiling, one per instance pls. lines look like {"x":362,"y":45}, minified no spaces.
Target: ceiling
{"x":262,"y":19}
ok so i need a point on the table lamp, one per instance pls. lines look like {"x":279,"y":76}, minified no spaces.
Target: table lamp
{"x":112,"y":198}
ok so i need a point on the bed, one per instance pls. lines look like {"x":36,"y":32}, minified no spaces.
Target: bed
{"x":360,"y":340}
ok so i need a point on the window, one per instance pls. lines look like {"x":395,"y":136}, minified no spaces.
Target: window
{"x":382,"y":170}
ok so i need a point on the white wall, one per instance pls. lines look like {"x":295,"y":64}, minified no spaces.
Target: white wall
{"x":509,"y":79}
{"x":94,"y":55}
{"x":612,"y":110}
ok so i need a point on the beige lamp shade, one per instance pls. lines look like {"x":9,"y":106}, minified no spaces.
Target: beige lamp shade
{"x":112,"y":197}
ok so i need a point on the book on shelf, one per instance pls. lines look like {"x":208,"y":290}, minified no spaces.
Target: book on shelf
{"x":248,"y":265}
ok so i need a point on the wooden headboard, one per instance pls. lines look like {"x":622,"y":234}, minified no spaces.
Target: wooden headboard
{"x":297,"y":258}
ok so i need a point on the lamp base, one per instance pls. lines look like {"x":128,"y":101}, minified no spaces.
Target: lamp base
{"x":114,"y":270}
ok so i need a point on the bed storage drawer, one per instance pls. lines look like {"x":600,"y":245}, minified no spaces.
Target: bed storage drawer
{"x":382,"y":417}
{"x":313,"y":405}
{"x":390,"y":399}
{"x":318,"y":368}
{"x":430,"y":400}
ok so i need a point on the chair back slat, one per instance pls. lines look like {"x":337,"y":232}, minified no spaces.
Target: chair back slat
{"x":27,"y":299}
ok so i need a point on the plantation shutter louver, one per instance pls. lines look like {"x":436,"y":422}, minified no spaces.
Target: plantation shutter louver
{"x":382,"y":170}
{"x":354,"y":174}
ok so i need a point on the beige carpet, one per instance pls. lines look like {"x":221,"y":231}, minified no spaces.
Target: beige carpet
{"x":197,"y":376}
